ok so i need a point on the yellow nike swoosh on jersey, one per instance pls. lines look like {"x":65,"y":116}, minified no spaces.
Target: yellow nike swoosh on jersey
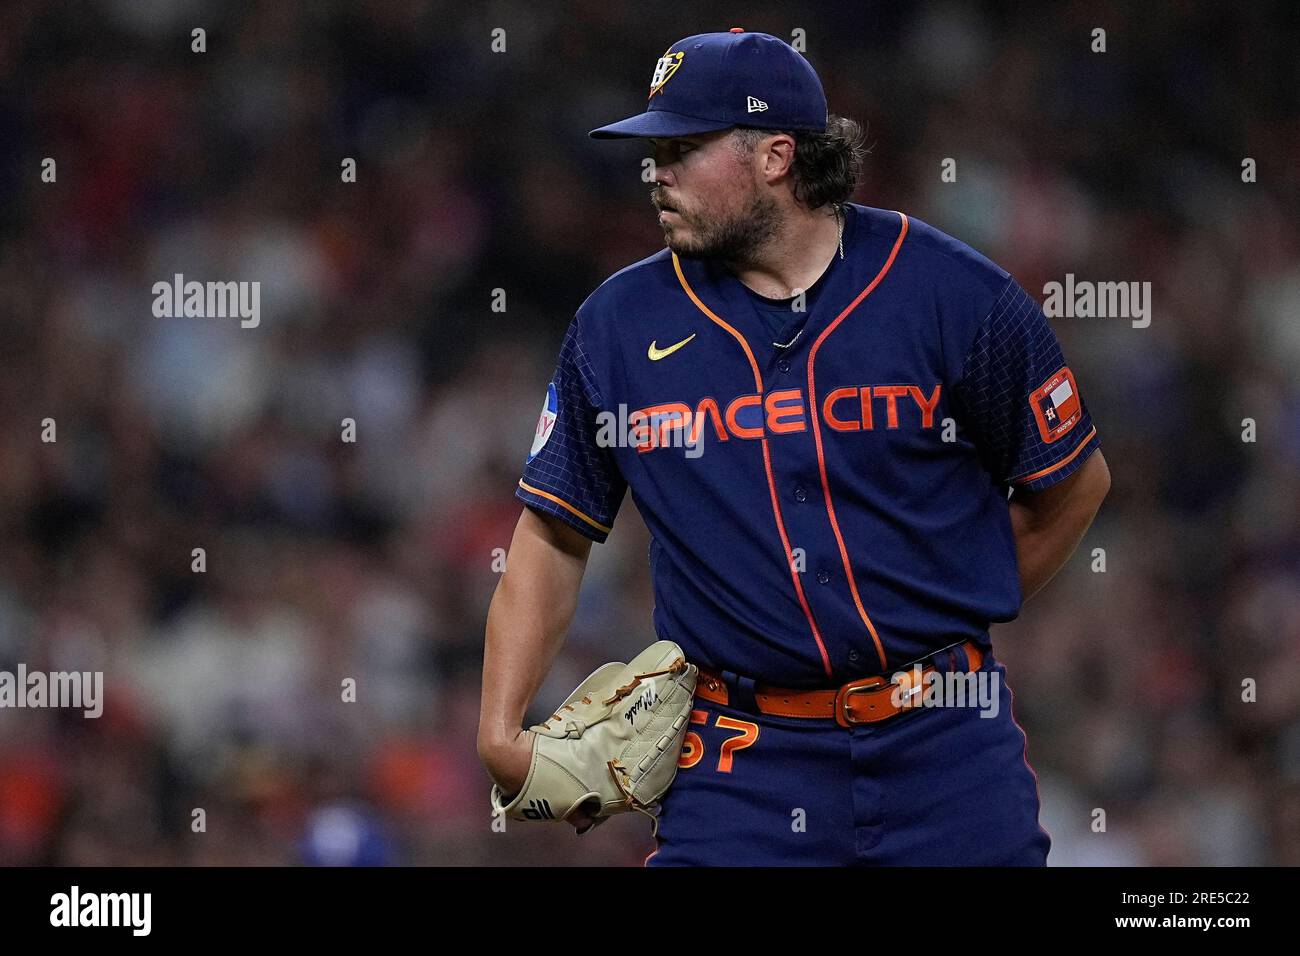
{"x":655,"y":354}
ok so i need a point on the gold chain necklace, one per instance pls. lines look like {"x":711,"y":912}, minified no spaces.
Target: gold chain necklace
{"x":839,"y":221}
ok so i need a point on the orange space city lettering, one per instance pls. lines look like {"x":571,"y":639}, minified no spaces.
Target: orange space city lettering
{"x":782,"y":411}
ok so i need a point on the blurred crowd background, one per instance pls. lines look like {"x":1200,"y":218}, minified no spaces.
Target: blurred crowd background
{"x":374,"y":560}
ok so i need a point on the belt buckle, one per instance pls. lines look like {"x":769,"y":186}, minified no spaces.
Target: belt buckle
{"x":842,"y":699}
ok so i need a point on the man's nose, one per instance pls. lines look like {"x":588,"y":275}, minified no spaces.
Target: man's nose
{"x":662,"y":175}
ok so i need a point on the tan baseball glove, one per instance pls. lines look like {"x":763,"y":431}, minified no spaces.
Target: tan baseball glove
{"x":613,"y":745}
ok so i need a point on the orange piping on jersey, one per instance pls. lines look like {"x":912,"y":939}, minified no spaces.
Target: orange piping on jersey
{"x":817,"y":437}
{"x":563,"y":504}
{"x":1060,"y":464}
{"x":767,"y":465}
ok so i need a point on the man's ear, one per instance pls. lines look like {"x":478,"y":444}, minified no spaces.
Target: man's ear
{"x":778,"y":157}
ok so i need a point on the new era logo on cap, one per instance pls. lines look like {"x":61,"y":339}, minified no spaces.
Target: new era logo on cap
{"x":755,"y":105}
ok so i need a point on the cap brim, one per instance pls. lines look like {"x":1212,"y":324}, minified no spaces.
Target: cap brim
{"x":658,"y":123}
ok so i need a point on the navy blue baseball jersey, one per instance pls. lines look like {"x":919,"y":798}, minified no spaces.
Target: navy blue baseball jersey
{"x":826,"y":487}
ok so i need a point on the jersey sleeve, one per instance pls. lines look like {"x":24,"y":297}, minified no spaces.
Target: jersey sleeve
{"x":1020,"y":399}
{"x":568,"y":473}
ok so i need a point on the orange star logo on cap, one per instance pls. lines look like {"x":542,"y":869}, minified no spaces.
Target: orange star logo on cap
{"x":664,"y":69}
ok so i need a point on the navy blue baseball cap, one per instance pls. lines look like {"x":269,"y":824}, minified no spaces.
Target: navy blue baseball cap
{"x":714,"y":81}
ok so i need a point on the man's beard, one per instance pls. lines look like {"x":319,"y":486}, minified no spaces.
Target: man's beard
{"x":734,"y":240}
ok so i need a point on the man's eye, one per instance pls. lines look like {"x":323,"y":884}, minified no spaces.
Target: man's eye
{"x":673,"y":150}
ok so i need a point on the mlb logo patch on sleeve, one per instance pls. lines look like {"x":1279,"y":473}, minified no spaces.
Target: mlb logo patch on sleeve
{"x":1056,"y":405}
{"x":545,"y":422}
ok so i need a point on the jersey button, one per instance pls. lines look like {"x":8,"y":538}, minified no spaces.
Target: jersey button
{"x":823,"y":577}
{"x":853,"y":656}
{"x":800,"y":495}
{"x":783,"y":365}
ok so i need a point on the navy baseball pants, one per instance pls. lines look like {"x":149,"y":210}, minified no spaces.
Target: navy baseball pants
{"x":928,"y":787}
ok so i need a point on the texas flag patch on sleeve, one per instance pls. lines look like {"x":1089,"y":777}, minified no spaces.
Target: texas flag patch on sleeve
{"x":1056,"y":405}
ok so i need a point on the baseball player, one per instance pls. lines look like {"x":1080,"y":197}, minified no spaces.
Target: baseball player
{"x":856,"y":444}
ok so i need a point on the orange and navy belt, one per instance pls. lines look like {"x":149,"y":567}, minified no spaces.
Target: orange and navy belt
{"x":867,"y":700}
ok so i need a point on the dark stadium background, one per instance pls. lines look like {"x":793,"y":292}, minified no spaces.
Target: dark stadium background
{"x":374,"y":560}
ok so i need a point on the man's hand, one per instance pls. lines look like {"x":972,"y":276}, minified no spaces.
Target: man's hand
{"x":507,"y":762}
